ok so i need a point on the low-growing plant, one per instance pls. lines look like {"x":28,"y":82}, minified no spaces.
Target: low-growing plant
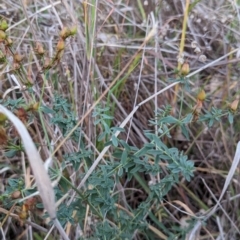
{"x":105,"y":186}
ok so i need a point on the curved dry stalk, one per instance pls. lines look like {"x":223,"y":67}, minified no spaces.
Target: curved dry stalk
{"x":41,"y":176}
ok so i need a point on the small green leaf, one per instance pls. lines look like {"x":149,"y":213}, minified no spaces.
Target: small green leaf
{"x":97,"y":122}
{"x":230,"y":118}
{"x":101,"y":136}
{"x":124,"y":157}
{"x":114,"y":141}
{"x":46,"y":110}
{"x":169,"y":119}
{"x":187,"y":119}
{"x":115,"y":129}
{"x":185,"y":132}
{"x":125,"y":145}
{"x":120,"y":171}
{"x":11,"y":153}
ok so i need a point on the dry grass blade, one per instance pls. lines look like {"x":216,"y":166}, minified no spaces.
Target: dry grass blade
{"x":231,"y":172}
{"x":141,"y":154}
{"x":42,"y":179}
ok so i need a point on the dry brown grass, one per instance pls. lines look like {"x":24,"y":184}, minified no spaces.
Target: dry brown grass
{"x":109,"y":39}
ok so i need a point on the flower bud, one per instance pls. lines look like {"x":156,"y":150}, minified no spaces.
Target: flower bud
{"x":36,"y":106}
{"x":3,"y":25}
{"x":65,"y":33}
{"x":33,"y":107}
{"x":18,"y":58}
{"x":185,"y":69}
{"x":234,"y":105}
{"x":39,"y":48}
{"x":23,"y":213}
{"x":201,"y":95}
{"x":60,"y":45}
{"x":47,"y":63}
{"x":3,"y":35}
{"x":3,"y":118}
{"x":58,"y":56}
{"x":8,"y":42}
{"x":16,"y":194}
{"x":22,"y":114}
{"x":73,"y":30}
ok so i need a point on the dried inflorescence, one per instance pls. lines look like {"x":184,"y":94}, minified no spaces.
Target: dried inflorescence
{"x":47,"y":63}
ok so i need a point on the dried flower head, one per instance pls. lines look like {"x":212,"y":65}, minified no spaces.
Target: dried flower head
{"x":199,"y":20}
{"x":205,"y":29}
{"x":180,"y":60}
{"x":202,"y":58}
{"x":194,"y":44}
{"x":197,"y":50}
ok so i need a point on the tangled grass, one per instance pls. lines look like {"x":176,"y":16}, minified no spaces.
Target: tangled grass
{"x":133,"y":108}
